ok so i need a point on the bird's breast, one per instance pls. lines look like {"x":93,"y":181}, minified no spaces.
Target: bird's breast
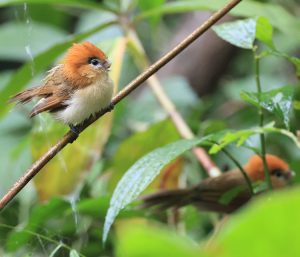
{"x":86,"y":101}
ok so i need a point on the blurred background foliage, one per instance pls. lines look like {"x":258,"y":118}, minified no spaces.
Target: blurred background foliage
{"x":62,"y":212}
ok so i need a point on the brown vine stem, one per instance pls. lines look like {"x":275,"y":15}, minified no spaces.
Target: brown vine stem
{"x":69,"y":137}
{"x":184,"y":130}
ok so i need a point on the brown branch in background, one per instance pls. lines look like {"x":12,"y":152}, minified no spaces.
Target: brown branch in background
{"x":69,"y":137}
{"x":184,"y":130}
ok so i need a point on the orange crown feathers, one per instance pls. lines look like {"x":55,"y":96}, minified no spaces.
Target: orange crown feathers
{"x":255,"y":166}
{"x":79,"y":53}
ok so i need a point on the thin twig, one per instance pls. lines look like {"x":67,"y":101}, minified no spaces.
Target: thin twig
{"x":261,"y":121}
{"x":69,"y":137}
{"x":244,"y":173}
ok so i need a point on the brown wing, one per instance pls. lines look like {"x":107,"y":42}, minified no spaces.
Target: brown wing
{"x":51,"y":103}
{"x":54,"y":93}
{"x":225,"y":193}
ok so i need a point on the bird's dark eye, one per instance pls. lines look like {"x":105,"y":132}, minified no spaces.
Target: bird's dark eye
{"x":94,"y":61}
{"x":278,"y":173}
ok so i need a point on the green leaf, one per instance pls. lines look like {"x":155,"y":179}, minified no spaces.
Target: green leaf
{"x":264,"y":31}
{"x":240,"y":33}
{"x":150,"y":241}
{"x":241,"y":136}
{"x":266,"y":224}
{"x":277,"y":15}
{"x":20,"y":41}
{"x":83,"y":4}
{"x":140,"y":144}
{"x":40,"y":215}
{"x":41,"y":62}
{"x":296,"y":62}
{"x":141,"y":174}
{"x":146,"y":5}
{"x":277,"y":101}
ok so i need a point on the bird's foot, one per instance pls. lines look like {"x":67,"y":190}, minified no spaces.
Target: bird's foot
{"x":75,"y":130}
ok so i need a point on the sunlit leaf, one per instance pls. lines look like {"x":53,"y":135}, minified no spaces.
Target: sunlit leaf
{"x":141,"y":174}
{"x":148,"y":241}
{"x":264,"y":31}
{"x":240,"y":33}
{"x":239,"y":137}
{"x":262,"y":224}
{"x":277,"y":101}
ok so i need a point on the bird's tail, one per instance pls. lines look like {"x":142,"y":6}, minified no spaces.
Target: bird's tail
{"x":25,"y":96}
{"x":165,"y":199}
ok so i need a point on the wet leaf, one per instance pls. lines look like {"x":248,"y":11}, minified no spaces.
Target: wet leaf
{"x":277,"y":101}
{"x":141,"y":174}
{"x":140,"y":144}
{"x":240,"y":33}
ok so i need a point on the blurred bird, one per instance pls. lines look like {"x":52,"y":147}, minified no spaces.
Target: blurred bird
{"x":75,"y":89}
{"x":225,"y":193}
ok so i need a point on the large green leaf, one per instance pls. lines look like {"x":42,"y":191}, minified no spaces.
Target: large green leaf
{"x":240,"y":33}
{"x":141,"y":174}
{"x":150,"y":241}
{"x":83,"y":4}
{"x":41,"y":62}
{"x":21,"y":41}
{"x":269,"y":227}
{"x":277,"y":101}
{"x":276,"y":14}
{"x":140,"y":144}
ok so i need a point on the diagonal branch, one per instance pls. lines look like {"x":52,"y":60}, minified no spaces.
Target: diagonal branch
{"x":134,"y":42}
{"x":69,"y":137}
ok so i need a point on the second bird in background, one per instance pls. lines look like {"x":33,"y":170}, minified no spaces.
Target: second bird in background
{"x":225,"y":193}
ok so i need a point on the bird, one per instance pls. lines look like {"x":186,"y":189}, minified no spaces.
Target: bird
{"x":75,"y":89}
{"x":225,"y":193}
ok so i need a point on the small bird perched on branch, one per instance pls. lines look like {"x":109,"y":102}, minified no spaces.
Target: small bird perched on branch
{"x":75,"y":89}
{"x":225,"y":193}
